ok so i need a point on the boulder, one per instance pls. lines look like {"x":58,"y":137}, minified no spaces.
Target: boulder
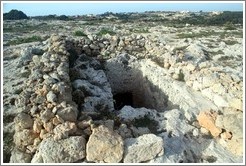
{"x":51,"y":97}
{"x":175,"y":123}
{"x":236,"y":146}
{"x":18,"y":156}
{"x":24,"y":138}
{"x":236,"y":103}
{"x":67,"y":150}
{"x":208,"y":93}
{"x":25,"y":56}
{"x":143,"y":148}
{"x":124,"y":131}
{"x":209,"y":81}
{"x":234,"y":123}
{"x":220,"y":101}
{"x":46,"y":115}
{"x":63,"y":130}
{"x":195,"y":52}
{"x":138,"y":131}
{"x":55,"y":38}
{"x":63,"y":70}
{"x":37,"y":126}
{"x":68,"y":113}
{"x":129,"y":113}
{"x":104,"y":145}
{"x":48,"y":126}
{"x":219,"y":88}
{"x":23,"y":121}
{"x":207,"y":120}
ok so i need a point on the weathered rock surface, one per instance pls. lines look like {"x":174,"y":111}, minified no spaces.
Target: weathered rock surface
{"x":182,"y":144}
{"x":105,"y":146}
{"x":67,"y":150}
{"x":24,"y":138}
{"x":129,"y":113}
{"x":68,"y":113}
{"x":63,"y":130}
{"x":23,"y":121}
{"x":143,"y":148}
{"x":232,"y":124}
{"x":207,"y":120}
{"x":145,"y":78}
{"x":20,"y":157}
{"x":91,"y":88}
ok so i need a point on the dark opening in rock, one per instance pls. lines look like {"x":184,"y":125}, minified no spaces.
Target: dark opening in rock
{"x":122,"y":99}
{"x":72,"y":58}
{"x":131,"y":87}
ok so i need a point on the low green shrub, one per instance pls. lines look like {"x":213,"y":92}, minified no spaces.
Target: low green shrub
{"x":79,"y":33}
{"x":225,"y":58}
{"x":229,"y":26}
{"x":140,"y":30}
{"x":146,"y":122}
{"x":213,"y":53}
{"x":181,"y":76}
{"x":182,"y":48}
{"x":25,"y":40}
{"x":230,"y":42}
{"x":105,"y":31}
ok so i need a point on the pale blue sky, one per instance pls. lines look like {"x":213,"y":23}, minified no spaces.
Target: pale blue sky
{"x":60,"y":8}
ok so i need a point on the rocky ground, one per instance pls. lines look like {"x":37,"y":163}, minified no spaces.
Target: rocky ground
{"x":161,"y":95}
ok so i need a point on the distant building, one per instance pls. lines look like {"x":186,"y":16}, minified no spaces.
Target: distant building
{"x":216,"y":12}
{"x":90,"y":15}
{"x":184,"y":11}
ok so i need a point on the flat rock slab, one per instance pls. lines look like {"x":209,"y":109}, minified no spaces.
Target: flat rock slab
{"x":143,"y":148}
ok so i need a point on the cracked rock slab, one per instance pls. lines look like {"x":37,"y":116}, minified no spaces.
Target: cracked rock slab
{"x":143,"y":148}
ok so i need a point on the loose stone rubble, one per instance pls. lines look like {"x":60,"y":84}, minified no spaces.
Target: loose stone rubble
{"x":187,"y":110}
